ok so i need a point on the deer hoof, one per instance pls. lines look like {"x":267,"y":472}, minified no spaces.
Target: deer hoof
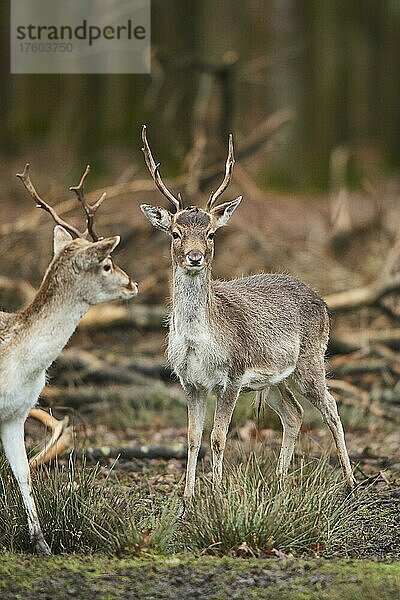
{"x":41,"y":547}
{"x":349,"y":490}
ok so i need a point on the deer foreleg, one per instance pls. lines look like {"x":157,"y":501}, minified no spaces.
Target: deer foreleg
{"x":226,"y":400}
{"x":197,"y":403}
{"x":12,"y":436}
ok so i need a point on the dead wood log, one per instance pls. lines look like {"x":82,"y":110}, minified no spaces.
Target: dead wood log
{"x":151,"y":368}
{"x":344,"y":343}
{"x":150,"y":318}
{"x":154,"y":396}
{"x":155,"y":317}
{"x":358,"y":367}
{"x":107,"y":316}
{"x":176,"y":451}
{"x":75,"y":363}
{"x":369,"y":295}
{"x":61,"y":439}
{"x":53,"y":449}
{"x":351,"y":395}
{"x":347,"y":388}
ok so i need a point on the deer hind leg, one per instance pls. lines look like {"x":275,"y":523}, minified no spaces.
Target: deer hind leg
{"x":314,"y":387}
{"x":12,"y":436}
{"x":290,"y":412}
{"x":225,"y":405}
{"x":197,"y":403}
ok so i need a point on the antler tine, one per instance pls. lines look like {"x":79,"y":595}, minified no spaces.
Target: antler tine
{"x":155,"y":173}
{"x":40,"y":203}
{"x":230,"y":161}
{"x":90,"y":209}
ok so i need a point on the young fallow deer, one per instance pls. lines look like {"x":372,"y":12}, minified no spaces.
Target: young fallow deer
{"x":251,"y":333}
{"x":80,"y":274}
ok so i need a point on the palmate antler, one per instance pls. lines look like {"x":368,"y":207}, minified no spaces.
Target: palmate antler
{"x":90,"y":209}
{"x":155,"y":173}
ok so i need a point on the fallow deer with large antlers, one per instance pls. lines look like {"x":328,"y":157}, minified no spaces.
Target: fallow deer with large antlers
{"x":255,"y":333}
{"x":80,"y":274}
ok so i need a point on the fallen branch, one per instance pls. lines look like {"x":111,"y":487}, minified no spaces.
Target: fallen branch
{"x":107,"y":316}
{"x":366,"y":365}
{"x":345,"y":387}
{"x":75,"y":363}
{"x":362,"y":296}
{"x":61,"y":439}
{"x":177,"y":451}
{"x":344,"y":343}
{"x":155,"y":396}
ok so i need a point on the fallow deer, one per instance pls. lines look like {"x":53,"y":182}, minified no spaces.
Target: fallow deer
{"x":255,"y":333}
{"x":80,"y":274}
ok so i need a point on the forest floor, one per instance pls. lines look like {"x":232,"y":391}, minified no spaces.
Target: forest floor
{"x":183,"y":578}
{"x":118,"y":395}
{"x":363,"y":563}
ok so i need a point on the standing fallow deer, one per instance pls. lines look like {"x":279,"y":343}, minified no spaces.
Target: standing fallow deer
{"x":252,"y":333}
{"x":80,"y":274}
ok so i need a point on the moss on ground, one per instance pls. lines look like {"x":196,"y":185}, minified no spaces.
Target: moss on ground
{"x":100,"y":577}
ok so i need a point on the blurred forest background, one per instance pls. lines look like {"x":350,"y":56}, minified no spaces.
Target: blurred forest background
{"x":311,"y":91}
{"x":334,"y":63}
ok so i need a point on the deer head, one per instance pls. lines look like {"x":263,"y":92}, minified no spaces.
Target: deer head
{"x":83,"y":268}
{"x":192,"y":229}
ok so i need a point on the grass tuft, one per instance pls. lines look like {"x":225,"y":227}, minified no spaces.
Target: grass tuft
{"x":80,"y":511}
{"x":83,"y":511}
{"x":251,"y":515}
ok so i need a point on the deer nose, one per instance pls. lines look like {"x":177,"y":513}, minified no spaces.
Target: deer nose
{"x":195,"y":258}
{"x":132,"y":286}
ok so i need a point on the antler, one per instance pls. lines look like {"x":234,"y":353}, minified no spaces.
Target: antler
{"x":40,"y":203}
{"x":155,"y":173}
{"x":90,"y":209}
{"x":230,"y":161}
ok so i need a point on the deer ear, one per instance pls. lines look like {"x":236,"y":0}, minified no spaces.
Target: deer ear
{"x":98,"y":251}
{"x":224,"y":211}
{"x":61,"y":238}
{"x":158,"y":217}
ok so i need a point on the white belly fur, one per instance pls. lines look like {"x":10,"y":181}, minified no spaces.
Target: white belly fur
{"x":254,"y":380}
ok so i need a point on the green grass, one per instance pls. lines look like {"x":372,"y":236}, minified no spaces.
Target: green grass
{"x":81,"y":510}
{"x":251,"y":514}
{"x":87,"y":577}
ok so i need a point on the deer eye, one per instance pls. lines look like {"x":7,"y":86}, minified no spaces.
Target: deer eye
{"x":176,"y":235}
{"x":211,"y":235}
{"x":107,"y":267}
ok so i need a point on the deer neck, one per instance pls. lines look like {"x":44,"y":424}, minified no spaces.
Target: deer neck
{"x":48,"y":322}
{"x":192,"y":299}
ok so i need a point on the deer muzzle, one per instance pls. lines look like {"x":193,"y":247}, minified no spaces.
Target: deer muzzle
{"x":194,"y":259}
{"x":131,"y":289}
